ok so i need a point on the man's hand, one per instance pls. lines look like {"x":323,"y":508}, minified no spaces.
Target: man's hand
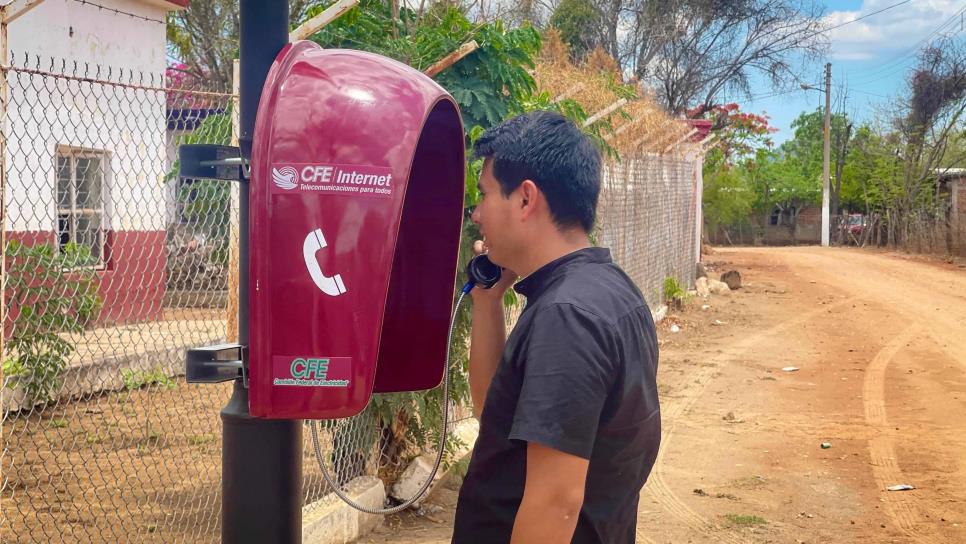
{"x":552,"y":497}
{"x":488,"y":335}
{"x":497,"y":291}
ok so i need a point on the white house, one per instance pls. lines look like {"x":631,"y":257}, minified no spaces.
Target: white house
{"x":85,"y":160}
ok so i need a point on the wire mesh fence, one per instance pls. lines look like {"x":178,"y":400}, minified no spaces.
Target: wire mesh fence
{"x":115,"y":266}
{"x":647,"y":215}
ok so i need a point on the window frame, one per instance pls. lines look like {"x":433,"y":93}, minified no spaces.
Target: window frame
{"x":73,"y":153}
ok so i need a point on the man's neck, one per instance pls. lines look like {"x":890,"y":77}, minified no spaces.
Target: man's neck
{"x":552,"y":248}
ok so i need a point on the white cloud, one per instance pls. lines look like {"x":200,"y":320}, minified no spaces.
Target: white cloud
{"x":853,"y":55}
{"x":882,"y":35}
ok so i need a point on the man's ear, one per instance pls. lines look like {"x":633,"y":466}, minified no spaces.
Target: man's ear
{"x":529,"y":197}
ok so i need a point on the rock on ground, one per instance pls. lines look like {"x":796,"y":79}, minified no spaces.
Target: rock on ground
{"x":718,"y":287}
{"x":701,"y":286}
{"x":732,"y":278}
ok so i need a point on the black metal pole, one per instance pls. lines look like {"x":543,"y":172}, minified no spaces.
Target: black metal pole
{"x":261,"y":459}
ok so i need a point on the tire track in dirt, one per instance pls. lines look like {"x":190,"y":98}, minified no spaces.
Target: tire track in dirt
{"x":925,"y":292}
{"x":933,"y":300}
{"x":902,"y":507}
{"x":657,"y":487}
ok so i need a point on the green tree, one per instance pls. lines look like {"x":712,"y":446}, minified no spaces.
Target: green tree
{"x":775,"y":183}
{"x":727,"y":198}
{"x":862,"y":187}
{"x":805,"y":151}
{"x":489,"y":84}
{"x":579,"y":25}
{"x":52,"y":293}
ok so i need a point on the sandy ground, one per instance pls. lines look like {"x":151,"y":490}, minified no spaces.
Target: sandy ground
{"x":879,"y":341}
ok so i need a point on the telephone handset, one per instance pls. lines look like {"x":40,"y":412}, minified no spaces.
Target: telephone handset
{"x":481,"y":272}
{"x":331,"y":286}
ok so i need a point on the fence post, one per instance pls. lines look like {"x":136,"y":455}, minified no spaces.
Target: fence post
{"x":5,"y":62}
{"x":231,"y":334}
{"x":261,"y":459}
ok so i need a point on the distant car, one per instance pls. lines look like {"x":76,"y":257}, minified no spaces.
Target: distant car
{"x":855,"y":223}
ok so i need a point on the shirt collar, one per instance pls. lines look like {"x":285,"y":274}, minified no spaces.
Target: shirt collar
{"x":538,"y":281}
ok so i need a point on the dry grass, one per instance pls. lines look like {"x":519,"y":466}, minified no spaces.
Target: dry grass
{"x":639,"y":126}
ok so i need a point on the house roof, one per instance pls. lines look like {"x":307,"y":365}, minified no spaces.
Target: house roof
{"x":171,"y":5}
{"x":950,"y":173}
{"x":703,"y":127}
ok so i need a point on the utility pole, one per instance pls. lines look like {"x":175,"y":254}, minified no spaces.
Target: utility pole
{"x":261,"y":458}
{"x":826,"y":155}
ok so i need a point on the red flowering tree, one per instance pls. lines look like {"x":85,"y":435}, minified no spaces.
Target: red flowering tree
{"x":185,"y":90}
{"x":739,"y":133}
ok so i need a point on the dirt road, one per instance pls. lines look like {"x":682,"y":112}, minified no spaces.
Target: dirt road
{"x":879,"y":342}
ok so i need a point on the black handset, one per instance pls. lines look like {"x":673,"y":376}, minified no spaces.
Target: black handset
{"x":482,"y":272}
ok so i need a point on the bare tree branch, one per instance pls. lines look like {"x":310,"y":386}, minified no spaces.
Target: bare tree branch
{"x":204,"y":38}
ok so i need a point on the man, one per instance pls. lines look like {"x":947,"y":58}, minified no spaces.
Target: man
{"x":568,"y":405}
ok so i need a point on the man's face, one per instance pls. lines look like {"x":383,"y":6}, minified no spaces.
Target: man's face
{"x":494,"y":215}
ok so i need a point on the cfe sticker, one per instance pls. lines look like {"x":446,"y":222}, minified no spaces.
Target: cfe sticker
{"x":311,"y":371}
{"x":342,"y":179}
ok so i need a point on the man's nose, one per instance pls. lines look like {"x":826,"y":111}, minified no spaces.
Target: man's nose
{"x":475,"y":215}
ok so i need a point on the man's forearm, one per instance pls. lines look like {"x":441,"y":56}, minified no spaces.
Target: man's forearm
{"x":486,"y":347}
{"x":545,"y":521}
{"x":552,"y":496}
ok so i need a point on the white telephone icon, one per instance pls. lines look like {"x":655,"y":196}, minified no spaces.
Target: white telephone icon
{"x":331,"y":286}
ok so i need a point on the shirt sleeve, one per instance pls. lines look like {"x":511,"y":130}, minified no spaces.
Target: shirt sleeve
{"x":568,"y":368}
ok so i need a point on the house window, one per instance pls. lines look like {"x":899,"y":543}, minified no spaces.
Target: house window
{"x":81,"y":191}
{"x":783,"y":216}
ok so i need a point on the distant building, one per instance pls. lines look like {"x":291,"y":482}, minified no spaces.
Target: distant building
{"x":952,"y":182}
{"x":85,"y":161}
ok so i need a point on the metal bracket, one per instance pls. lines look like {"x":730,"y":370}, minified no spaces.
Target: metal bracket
{"x":218,"y":363}
{"x":210,"y":161}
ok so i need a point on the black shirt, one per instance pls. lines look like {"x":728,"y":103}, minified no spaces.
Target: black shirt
{"x":577,"y":375}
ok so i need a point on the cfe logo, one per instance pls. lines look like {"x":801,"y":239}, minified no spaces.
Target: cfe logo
{"x":342,"y":179}
{"x":310,"y":369}
{"x":285,"y":177}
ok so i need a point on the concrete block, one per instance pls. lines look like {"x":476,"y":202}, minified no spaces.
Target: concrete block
{"x":659,"y":314}
{"x":331,"y":521}
{"x":419,"y":470}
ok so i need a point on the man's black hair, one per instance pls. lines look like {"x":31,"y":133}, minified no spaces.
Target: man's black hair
{"x":548,"y":149}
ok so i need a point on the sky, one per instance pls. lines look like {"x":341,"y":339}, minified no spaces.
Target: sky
{"x":872,"y":57}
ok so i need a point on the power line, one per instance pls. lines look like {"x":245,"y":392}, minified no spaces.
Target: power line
{"x":772,"y":94}
{"x":889,"y":72}
{"x":908,"y":53}
{"x":824,"y":30}
{"x":868,"y":93}
{"x":867,"y":15}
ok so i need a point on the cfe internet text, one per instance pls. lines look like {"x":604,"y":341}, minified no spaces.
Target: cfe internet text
{"x":325,"y":174}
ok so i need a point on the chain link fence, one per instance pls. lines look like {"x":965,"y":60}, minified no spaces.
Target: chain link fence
{"x":115,"y":266}
{"x":647,"y":217}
